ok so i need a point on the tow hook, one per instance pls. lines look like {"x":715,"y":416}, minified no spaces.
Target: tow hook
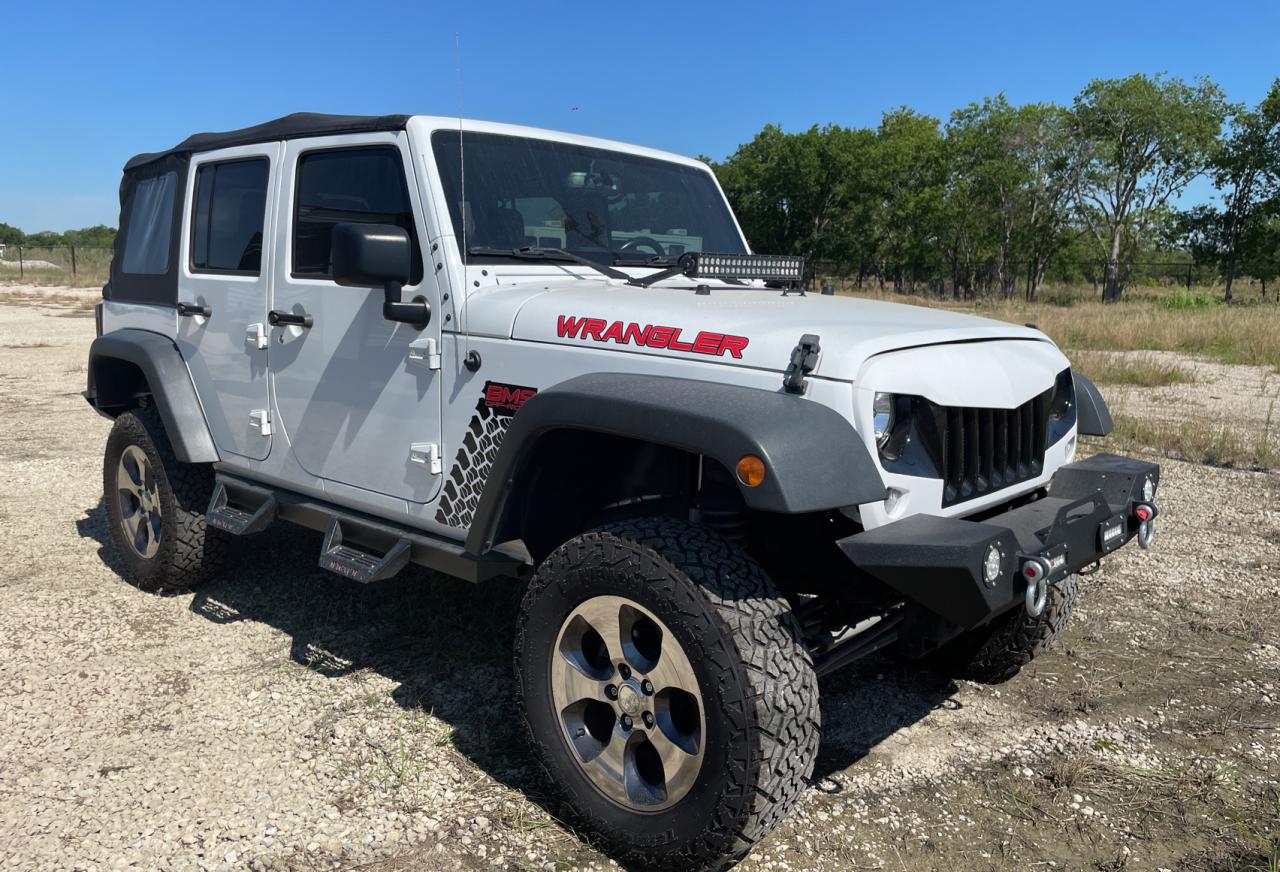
{"x":1036,"y":572}
{"x":1146,"y":515}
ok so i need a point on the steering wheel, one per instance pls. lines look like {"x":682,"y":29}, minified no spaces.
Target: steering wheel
{"x":647,"y":242}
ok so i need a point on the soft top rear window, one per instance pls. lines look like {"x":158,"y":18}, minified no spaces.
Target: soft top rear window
{"x":149,"y":226}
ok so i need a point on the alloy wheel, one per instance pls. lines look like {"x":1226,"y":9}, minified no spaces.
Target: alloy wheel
{"x":628,"y":703}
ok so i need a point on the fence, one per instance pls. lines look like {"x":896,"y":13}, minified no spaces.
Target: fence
{"x":985,"y":278}
{"x":72,"y":265}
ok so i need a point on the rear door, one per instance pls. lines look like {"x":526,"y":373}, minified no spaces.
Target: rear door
{"x":224,"y":280}
{"x":358,"y":396}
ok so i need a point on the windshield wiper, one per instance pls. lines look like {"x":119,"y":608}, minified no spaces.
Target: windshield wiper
{"x":550,"y":254}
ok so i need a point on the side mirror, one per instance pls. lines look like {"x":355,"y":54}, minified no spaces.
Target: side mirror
{"x":368,"y":255}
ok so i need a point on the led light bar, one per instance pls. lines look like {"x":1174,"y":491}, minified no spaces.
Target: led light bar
{"x":769,"y":267}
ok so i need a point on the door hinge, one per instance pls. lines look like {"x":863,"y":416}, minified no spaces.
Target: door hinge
{"x":260,"y":420}
{"x":428,"y":454}
{"x":424,"y":352}
{"x":255,"y":336}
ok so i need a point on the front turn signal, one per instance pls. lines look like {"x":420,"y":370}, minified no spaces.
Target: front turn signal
{"x":751,"y":470}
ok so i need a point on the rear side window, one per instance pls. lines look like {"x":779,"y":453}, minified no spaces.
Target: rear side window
{"x":226,"y":228}
{"x":150,"y":225}
{"x":354,"y":185}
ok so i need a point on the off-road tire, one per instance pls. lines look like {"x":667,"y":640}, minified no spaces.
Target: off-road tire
{"x":997,"y":652}
{"x":188,"y":552}
{"x":759,"y":691}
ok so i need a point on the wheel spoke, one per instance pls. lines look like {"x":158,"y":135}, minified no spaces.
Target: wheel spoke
{"x":126,"y":478}
{"x":611,"y":762}
{"x":573,"y":684}
{"x":131,"y":521}
{"x":679,"y":767}
{"x":604,"y":617}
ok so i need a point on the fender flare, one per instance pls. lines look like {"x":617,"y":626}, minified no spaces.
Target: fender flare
{"x":168,"y":381}
{"x":814,"y":458}
{"x":1093,"y":416}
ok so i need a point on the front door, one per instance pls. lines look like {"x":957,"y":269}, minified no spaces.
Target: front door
{"x":225,"y":272}
{"x":356,"y":395}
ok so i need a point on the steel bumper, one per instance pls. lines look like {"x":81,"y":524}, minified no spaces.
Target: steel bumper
{"x":1092,"y":508}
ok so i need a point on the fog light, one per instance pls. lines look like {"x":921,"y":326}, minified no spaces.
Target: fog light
{"x":991,"y":565}
{"x":1148,"y":490}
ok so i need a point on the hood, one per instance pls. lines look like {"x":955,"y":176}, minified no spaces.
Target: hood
{"x":755,"y":328}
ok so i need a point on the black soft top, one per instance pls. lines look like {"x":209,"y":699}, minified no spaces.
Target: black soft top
{"x":295,"y":126}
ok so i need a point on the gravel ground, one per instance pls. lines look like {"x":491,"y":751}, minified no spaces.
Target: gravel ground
{"x":282,"y":718}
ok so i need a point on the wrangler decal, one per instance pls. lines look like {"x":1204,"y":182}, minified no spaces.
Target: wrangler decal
{"x":650,"y":336}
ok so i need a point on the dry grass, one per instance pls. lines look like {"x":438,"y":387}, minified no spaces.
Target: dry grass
{"x":1199,"y":440}
{"x":1145,"y":371}
{"x":1240,"y":333}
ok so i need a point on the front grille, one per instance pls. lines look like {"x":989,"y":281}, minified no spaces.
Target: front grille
{"x":984,"y":450}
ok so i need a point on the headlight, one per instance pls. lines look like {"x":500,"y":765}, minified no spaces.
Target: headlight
{"x":1064,"y":395}
{"x":882,"y":417}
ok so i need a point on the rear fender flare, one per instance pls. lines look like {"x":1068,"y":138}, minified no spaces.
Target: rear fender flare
{"x":814,"y":458}
{"x":168,"y":381}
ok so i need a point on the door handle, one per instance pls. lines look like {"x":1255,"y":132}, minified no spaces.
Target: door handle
{"x":186,"y":310}
{"x":276,"y":317}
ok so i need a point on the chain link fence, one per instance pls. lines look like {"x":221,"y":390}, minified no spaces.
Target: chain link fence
{"x":67,"y":265}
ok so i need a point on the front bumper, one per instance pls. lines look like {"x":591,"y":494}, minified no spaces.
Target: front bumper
{"x":1093,"y":507}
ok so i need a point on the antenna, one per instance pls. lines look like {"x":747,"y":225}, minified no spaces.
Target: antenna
{"x":471,"y":359}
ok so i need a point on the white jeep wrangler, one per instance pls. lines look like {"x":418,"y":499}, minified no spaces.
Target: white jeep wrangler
{"x":498,"y":351}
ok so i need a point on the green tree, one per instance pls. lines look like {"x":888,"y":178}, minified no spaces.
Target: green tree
{"x":10,"y":235}
{"x":1137,"y":142}
{"x":1246,"y":172}
{"x":97,"y":236}
{"x":910,"y":186}
{"x":43,"y":239}
{"x":792,"y":191}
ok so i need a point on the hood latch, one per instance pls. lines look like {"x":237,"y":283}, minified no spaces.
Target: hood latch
{"x":804,"y":359}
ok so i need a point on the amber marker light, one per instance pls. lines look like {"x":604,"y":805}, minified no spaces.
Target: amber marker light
{"x":750,"y":470}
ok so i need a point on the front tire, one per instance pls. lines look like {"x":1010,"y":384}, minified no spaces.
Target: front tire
{"x":676,"y":623}
{"x":156,"y":507}
{"x":997,"y":652}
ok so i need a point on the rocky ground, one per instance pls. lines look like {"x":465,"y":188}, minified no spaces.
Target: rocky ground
{"x":282,"y":718}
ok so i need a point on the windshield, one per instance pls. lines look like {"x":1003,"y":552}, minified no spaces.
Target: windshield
{"x":603,"y":205}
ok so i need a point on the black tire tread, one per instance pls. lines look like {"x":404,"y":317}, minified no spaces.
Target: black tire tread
{"x":998,"y":652}
{"x":195,"y":552}
{"x":755,"y":631}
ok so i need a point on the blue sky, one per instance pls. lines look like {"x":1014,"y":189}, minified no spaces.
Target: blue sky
{"x":88,"y":84}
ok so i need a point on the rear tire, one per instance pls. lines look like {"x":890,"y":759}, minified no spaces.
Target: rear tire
{"x":998,"y":651}
{"x":714,"y":612}
{"x":156,"y":507}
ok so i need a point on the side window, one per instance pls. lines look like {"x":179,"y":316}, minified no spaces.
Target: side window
{"x":356,"y":185}
{"x":226,"y":227}
{"x":146,"y":242}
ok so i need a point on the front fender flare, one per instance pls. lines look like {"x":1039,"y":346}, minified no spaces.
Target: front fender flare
{"x":1093,"y":416}
{"x":814,"y":458}
{"x":167,"y":380}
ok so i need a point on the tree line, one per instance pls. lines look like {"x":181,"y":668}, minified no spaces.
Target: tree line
{"x":998,"y":195}
{"x":97,"y":236}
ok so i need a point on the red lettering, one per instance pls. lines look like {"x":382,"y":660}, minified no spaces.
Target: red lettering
{"x":614,"y":332}
{"x":735,"y":345}
{"x":676,"y":345}
{"x":707,"y":343}
{"x":647,"y":335}
{"x":659,"y":337}
{"x":568,"y":326}
{"x":637,"y":335}
{"x":493,"y":394}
